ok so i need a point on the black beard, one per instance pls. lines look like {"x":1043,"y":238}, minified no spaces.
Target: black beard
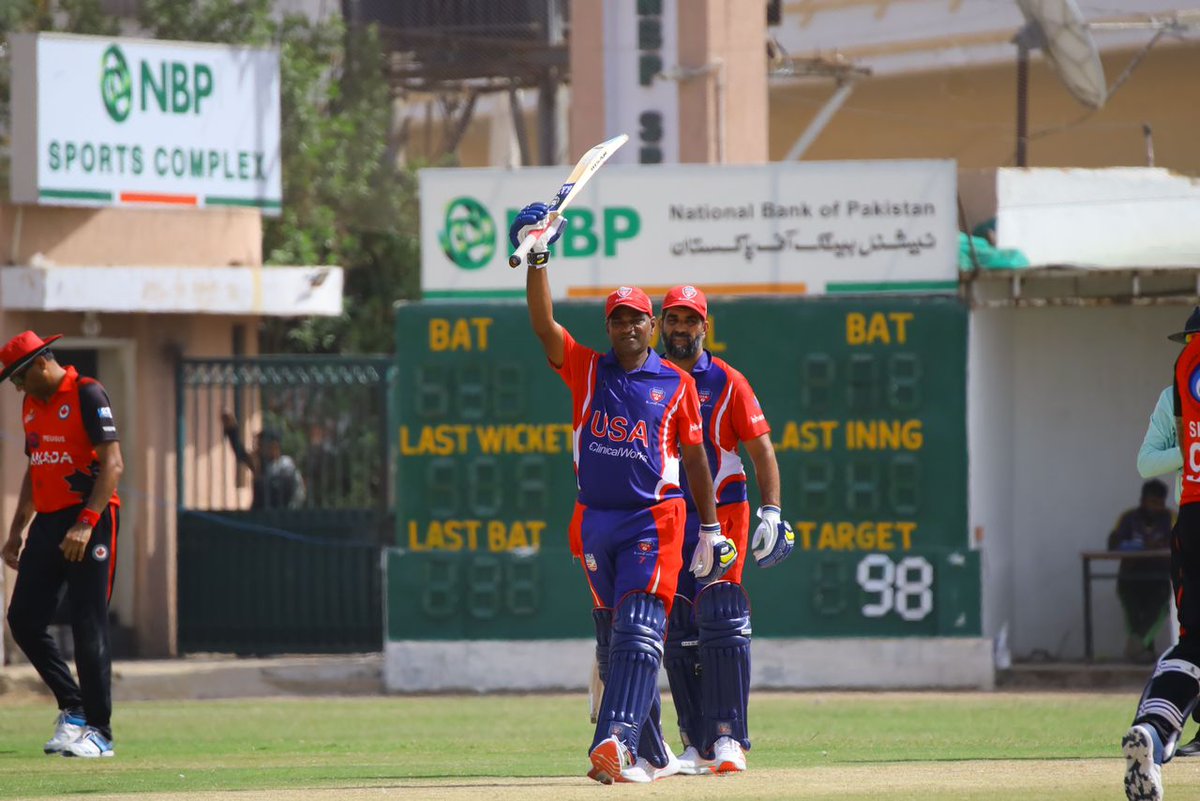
{"x":679,"y":351}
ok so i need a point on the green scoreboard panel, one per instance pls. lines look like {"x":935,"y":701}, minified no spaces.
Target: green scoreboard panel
{"x":867,"y":403}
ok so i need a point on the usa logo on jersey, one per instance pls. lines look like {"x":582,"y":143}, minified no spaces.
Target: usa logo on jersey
{"x":657,"y":394}
{"x":705,"y":396}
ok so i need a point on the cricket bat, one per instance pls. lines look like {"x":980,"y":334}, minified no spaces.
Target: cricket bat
{"x":584,"y":169}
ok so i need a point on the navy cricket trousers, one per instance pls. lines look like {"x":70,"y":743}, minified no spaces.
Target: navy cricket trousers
{"x":41,"y":574}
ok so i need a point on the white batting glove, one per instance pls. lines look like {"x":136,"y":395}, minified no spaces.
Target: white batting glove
{"x":715,"y":554}
{"x":532,"y":220}
{"x":773,"y":539}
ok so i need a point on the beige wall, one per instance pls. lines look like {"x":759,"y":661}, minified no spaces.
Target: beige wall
{"x":586,"y":113}
{"x":964,"y":114}
{"x":970,"y":115}
{"x":722,"y":113}
{"x":138,"y":368}
{"x":131,"y":237}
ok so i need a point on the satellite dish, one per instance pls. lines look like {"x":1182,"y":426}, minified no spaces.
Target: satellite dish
{"x":1058,"y":29}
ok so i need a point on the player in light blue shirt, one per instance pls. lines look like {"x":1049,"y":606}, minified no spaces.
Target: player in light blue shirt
{"x":1160,"y":454}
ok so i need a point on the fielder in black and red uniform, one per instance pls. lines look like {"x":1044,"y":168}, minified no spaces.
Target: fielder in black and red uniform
{"x":1173,"y":690}
{"x":71,"y":482}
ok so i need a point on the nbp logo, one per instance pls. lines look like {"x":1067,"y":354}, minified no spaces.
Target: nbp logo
{"x":173,"y":87}
{"x":116,"y":84}
{"x":468,"y":235}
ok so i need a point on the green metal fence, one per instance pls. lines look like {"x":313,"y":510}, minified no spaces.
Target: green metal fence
{"x":265,"y":571}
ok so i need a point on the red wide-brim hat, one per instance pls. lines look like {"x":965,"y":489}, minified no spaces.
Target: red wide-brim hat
{"x":22,"y":349}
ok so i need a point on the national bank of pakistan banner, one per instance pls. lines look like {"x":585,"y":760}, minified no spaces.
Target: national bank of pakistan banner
{"x":102,"y":121}
{"x":799,"y":228}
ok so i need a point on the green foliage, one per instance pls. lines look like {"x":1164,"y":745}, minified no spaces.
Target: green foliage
{"x":245,"y":22}
{"x":345,"y":203}
{"x":28,"y":16}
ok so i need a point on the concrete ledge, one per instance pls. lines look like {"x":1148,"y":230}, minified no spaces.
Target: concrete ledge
{"x":225,"y":677}
{"x":1078,"y":676}
{"x":269,"y":291}
{"x":499,"y":665}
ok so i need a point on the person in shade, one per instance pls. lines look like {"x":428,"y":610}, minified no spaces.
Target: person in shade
{"x":1174,"y":687}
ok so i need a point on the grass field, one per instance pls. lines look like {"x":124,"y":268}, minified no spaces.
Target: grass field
{"x":936,"y":746}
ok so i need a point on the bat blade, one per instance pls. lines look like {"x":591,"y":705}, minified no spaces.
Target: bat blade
{"x":585,"y":168}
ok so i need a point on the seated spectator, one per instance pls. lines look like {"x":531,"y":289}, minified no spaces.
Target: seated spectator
{"x":277,"y":481}
{"x":1144,"y":585}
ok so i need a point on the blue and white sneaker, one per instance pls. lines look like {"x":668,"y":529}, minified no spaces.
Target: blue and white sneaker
{"x":1143,"y":750}
{"x":67,"y":728}
{"x":90,"y":745}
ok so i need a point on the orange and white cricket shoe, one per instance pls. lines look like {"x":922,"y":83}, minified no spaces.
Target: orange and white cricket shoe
{"x":643,"y":766}
{"x":612,"y":762}
{"x":728,"y":756}
{"x":692,"y":764}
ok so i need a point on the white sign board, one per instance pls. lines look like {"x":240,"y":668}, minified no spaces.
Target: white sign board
{"x":800,"y":228}
{"x":640,"y":44}
{"x":100,"y":122}
{"x":1115,"y":218}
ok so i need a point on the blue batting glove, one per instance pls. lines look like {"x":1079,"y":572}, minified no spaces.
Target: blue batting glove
{"x":773,"y":539}
{"x":529,"y":219}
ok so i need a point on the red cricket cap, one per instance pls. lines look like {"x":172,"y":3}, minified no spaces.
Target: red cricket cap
{"x":22,"y":349}
{"x":629,"y":296}
{"x":688,"y":297}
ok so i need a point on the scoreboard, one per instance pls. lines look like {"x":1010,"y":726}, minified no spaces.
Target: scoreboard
{"x":867,"y":403}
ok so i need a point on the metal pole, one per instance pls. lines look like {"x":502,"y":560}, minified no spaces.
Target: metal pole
{"x":821,"y":120}
{"x":1022,"y":99}
{"x":548,"y":91}
{"x":1087,"y":608}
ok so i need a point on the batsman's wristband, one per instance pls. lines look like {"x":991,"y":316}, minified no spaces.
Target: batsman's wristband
{"x":710,"y":528}
{"x":88,"y":516}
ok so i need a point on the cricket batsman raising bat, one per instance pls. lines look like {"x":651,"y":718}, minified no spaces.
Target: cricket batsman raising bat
{"x":536,"y":241}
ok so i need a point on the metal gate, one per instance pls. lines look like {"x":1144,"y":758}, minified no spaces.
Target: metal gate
{"x":276,"y":557}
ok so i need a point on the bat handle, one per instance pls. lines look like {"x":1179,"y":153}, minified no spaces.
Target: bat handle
{"x":518,"y":255}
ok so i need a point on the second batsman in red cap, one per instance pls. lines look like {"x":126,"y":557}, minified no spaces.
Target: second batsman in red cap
{"x":636,"y":420}
{"x":710,"y":680}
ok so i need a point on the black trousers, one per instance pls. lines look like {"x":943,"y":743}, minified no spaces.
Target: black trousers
{"x":41,"y":574}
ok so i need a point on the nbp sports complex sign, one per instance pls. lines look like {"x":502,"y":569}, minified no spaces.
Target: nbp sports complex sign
{"x":102,"y":121}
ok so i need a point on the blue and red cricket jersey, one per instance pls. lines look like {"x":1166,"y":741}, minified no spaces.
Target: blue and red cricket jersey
{"x":628,"y":427}
{"x":732,"y":415}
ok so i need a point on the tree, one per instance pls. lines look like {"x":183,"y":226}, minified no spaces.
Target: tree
{"x":344,"y":203}
{"x":28,"y":16}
